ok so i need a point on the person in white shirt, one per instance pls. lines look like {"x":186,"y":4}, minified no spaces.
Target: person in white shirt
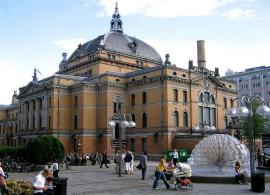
{"x":175,"y":157}
{"x":131,"y":163}
{"x":2,"y":171}
{"x":39,"y":187}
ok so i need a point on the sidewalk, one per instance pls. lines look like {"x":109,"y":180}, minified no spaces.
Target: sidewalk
{"x":94,"y":180}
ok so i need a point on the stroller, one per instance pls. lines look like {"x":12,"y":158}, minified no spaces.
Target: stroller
{"x":178,"y":176}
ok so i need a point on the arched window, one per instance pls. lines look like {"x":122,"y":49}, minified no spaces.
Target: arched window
{"x":201,"y":98}
{"x":176,"y":118}
{"x":144,"y":120}
{"x":231,"y":103}
{"x":212,"y":100}
{"x":225,"y":122}
{"x":225,"y":103}
{"x":75,"y":122}
{"x":185,"y":119}
{"x":207,"y":108}
{"x":133,"y":118}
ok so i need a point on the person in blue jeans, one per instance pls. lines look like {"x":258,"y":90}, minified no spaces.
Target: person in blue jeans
{"x":143,"y":163}
{"x":159,"y":174}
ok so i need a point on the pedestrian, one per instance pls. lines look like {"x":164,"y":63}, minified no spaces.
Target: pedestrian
{"x":240,"y":177}
{"x":175,"y":157}
{"x":2,"y":171}
{"x":39,"y":187}
{"x":143,"y":164}
{"x":55,"y":168}
{"x":259,"y":158}
{"x":159,"y":174}
{"x":3,"y":185}
{"x":127,"y":161}
{"x":131,"y":163}
{"x":104,"y":159}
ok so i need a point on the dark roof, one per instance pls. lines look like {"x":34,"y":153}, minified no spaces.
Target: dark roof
{"x":119,"y":42}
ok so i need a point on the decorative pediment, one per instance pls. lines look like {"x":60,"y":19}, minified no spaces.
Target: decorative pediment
{"x":30,"y":88}
{"x":207,"y":80}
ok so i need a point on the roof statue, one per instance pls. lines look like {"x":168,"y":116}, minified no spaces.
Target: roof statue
{"x":35,"y":75}
{"x":116,"y":22}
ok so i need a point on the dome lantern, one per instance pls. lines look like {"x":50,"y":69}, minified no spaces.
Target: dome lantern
{"x":116,"y":22}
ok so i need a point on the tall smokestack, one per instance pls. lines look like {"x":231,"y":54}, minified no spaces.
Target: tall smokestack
{"x":201,"y":54}
{"x":64,"y":56}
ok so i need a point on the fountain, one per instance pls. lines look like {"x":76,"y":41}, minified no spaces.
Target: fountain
{"x":217,"y":155}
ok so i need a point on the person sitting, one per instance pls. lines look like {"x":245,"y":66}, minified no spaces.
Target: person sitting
{"x":39,"y":187}
{"x":3,"y":185}
{"x":240,"y":177}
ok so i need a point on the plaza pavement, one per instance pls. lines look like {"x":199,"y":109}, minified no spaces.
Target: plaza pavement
{"x":94,"y":180}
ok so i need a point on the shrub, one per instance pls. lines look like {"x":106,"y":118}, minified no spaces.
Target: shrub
{"x":43,"y":149}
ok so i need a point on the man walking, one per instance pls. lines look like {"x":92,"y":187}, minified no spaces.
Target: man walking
{"x":175,"y":157}
{"x":143,"y":163}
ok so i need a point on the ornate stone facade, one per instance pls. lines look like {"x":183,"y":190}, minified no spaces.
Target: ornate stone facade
{"x":118,"y":73}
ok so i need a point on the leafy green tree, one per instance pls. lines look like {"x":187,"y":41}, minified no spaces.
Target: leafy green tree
{"x":259,"y":122}
{"x":43,"y":149}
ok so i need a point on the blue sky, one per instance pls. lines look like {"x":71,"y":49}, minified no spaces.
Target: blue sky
{"x":34,"y":33}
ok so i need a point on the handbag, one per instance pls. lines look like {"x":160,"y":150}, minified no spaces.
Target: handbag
{"x":139,"y":166}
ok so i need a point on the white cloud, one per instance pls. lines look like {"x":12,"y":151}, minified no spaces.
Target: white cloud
{"x":69,"y":45}
{"x":238,"y":14}
{"x":12,"y":77}
{"x":162,"y":8}
{"x":221,"y":55}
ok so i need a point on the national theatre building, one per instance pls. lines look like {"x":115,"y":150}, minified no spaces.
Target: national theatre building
{"x":116,"y":77}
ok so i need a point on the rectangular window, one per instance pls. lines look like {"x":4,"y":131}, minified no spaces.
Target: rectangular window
{"x":184,"y":97}
{"x":132,"y":99}
{"x":144,"y":144}
{"x":50,"y":102}
{"x":175,"y":95}
{"x":75,"y":101}
{"x":200,"y":113}
{"x":132,"y":144}
{"x":144,"y":97}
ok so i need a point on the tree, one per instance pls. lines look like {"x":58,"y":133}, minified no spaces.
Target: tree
{"x":259,"y":122}
{"x":43,"y":149}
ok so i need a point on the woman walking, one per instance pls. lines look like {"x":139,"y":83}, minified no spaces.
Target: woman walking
{"x":159,"y":174}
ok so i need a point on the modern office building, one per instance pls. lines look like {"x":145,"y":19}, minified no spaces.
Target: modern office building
{"x":253,"y":82}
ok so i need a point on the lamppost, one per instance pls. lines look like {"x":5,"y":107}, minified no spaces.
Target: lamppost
{"x":246,"y":111}
{"x":204,"y":127}
{"x":124,"y":121}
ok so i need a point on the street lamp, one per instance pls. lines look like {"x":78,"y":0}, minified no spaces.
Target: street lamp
{"x":124,"y":121}
{"x":246,"y":111}
{"x":204,"y":127}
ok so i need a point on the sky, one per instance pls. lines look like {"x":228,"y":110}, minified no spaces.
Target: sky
{"x":35,"y":33}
